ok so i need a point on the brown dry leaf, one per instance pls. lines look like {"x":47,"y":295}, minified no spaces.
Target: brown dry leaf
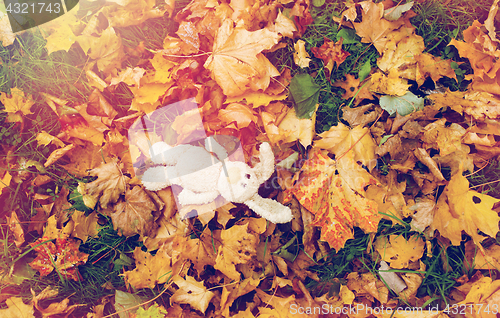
{"x":331,"y":53}
{"x":149,"y":270}
{"x":398,"y":251}
{"x":134,"y":215}
{"x":84,"y":158}
{"x":367,"y":284}
{"x":424,"y":158}
{"x":460,"y":209}
{"x":15,"y":228}
{"x":237,"y":61}
{"x":237,"y":247}
{"x":107,"y":50}
{"x":361,"y":115}
{"x":191,"y":292}
{"x":55,"y":308}
{"x":480,"y":105}
{"x":110,"y":183}
{"x":447,"y":139}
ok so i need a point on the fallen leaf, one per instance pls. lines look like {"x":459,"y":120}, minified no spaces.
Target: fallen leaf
{"x":404,"y":105}
{"x":238,"y":247}
{"x":134,"y":215}
{"x":149,"y":270}
{"x":391,"y":84}
{"x":57,"y":154}
{"x":107,"y":50}
{"x":45,"y":139}
{"x":85,"y":226}
{"x":55,"y":308}
{"x":17,"y":309}
{"x":110,"y":183}
{"x":236,"y":59}
{"x":293,"y":128}
{"x":17,"y":106}
{"x":238,"y":113}
{"x":460,"y":209}
{"x":398,"y":251}
{"x":300,"y":56}
{"x":331,"y":53}
{"x":61,"y":254}
{"x":191,"y":292}
{"x":305,"y":94}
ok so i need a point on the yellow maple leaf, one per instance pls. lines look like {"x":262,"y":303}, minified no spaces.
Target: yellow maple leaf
{"x":237,"y":63}
{"x":17,"y":105}
{"x":191,"y":292}
{"x":107,"y":50}
{"x":149,"y":270}
{"x":85,"y":226}
{"x":460,"y":209}
{"x":293,"y":128}
{"x":391,"y":84}
{"x":17,"y":309}
{"x":238,"y":247}
{"x":398,"y":251}
{"x":62,"y":39}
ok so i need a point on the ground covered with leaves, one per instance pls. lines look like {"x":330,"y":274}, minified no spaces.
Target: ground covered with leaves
{"x":383,"y":118}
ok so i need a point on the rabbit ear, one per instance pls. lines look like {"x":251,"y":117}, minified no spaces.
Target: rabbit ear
{"x":270,"y":209}
{"x":265,"y":168}
{"x":156,"y":178}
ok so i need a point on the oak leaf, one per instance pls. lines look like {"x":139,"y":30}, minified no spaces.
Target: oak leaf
{"x":149,"y":270}
{"x":110,"y":183}
{"x":398,"y":251}
{"x":238,"y":247}
{"x":134,"y":215}
{"x":17,"y":105}
{"x":191,"y":292}
{"x":236,"y":60}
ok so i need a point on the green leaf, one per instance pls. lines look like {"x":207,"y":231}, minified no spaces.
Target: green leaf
{"x":364,"y":71}
{"x":305,"y":94}
{"x":78,"y":204}
{"x":404,"y":105}
{"x":152,"y":312}
{"x":318,"y":3}
{"x":384,"y":139}
{"x":349,"y":36}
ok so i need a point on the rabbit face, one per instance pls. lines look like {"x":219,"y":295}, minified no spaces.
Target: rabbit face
{"x":240,"y":183}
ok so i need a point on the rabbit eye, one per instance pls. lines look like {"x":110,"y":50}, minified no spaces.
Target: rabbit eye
{"x":247,"y":176}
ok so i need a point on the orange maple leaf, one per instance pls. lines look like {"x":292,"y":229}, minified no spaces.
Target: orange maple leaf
{"x":331,"y":53}
{"x":337,"y":207}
